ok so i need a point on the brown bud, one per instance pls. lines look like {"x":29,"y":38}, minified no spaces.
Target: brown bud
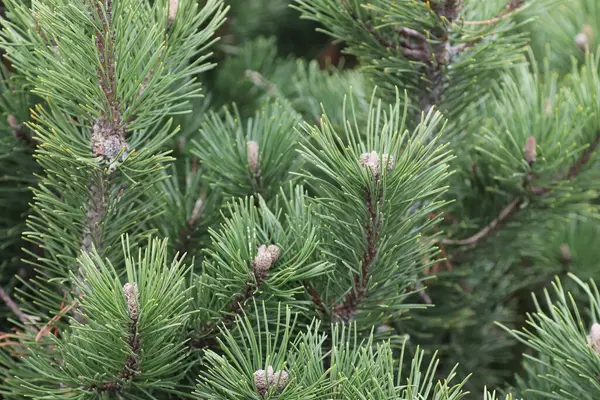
{"x":530,"y":151}
{"x":131,"y":297}
{"x":565,"y":253}
{"x":262,"y":262}
{"x":173,"y":5}
{"x":594,"y":338}
{"x":274,"y":251}
{"x":12,"y":121}
{"x":253,"y":156}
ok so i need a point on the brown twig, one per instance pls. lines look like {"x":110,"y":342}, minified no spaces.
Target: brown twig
{"x":45,"y":331}
{"x":14,"y":307}
{"x":584,"y":159}
{"x":505,"y":214}
{"x":315,"y":297}
{"x":261,"y":82}
{"x":574,"y":170}
{"x":513,"y":6}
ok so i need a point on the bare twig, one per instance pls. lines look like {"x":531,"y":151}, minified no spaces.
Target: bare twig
{"x":584,"y":159}
{"x":421,"y":290}
{"x":513,"y":6}
{"x":45,"y":331}
{"x":14,"y":307}
{"x":261,"y":82}
{"x":505,"y":214}
{"x":315,"y":297}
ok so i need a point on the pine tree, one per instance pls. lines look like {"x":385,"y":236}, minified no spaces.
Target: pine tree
{"x":308,"y":199}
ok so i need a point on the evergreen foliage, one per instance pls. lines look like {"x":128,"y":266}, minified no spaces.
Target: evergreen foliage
{"x":307,"y":199}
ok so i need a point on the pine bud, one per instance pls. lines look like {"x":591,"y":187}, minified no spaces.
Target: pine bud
{"x":131,"y":297}
{"x":274,"y":251}
{"x":530,"y":152}
{"x":173,"y":5}
{"x":594,"y":337}
{"x":262,"y":262}
{"x":253,"y":156}
{"x":111,"y":146}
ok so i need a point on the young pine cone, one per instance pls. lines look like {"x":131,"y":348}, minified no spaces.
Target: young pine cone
{"x":371,"y":161}
{"x":264,"y":380}
{"x":266,"y":256}
{"x":262,"y":262}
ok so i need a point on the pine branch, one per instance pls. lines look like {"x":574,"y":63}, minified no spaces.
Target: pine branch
{"x":108,"y":134}
{"x":415,"y":46}
{"x":348,"y":308}
{"x":96,"y":209}
{"x":131,"y":368}
{"x":186,"y":231}
{"x":510,"y":210}
{"x":260,"y":267}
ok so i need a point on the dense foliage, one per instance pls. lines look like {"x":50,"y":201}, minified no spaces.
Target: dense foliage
{"x":299,"y":199}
